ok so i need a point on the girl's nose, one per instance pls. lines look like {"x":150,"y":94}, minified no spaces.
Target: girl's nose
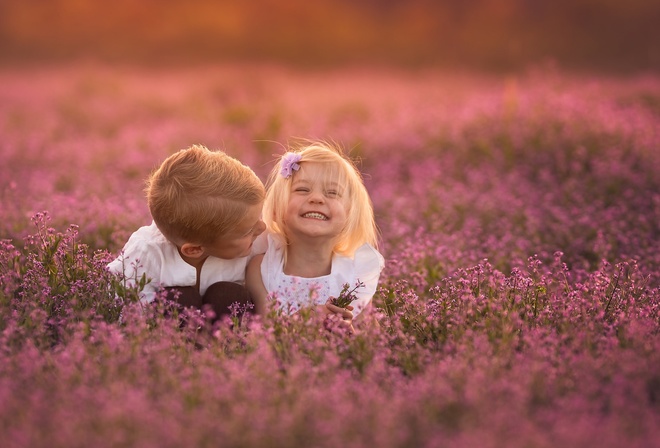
{"x":316,"y":197}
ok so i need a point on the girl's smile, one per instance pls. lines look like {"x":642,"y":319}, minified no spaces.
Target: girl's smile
{"x":315,"y":215}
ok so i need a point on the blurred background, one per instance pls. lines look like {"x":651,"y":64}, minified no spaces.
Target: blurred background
{"x":610,"y":35}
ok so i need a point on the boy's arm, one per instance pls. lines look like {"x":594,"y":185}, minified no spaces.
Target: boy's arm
{"x":255,"y":285}
{"x":130,"y":276}
{"x":136,"y":259}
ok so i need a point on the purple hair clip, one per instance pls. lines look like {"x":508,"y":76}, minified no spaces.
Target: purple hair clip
{"x":289,"y":164}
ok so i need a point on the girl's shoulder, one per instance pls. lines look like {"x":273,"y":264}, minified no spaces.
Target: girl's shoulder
{"x":368,"y":255}
{"x":272,"y":259}
{"x":260,"y":245}
{"x":366,"y":260}
{"x":272,"y":242}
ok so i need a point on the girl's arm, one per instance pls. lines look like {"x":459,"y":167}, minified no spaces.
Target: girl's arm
{"x":255,"y":285}
{"x":369,"y":264}
{"x":343,"y":315}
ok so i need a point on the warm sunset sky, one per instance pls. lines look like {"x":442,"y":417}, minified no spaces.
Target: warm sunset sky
{"x":483,"y":33}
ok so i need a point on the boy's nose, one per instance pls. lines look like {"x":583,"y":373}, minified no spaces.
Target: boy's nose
{"x":259,"y":229}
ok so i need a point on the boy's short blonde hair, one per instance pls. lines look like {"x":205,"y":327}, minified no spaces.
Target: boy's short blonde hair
{"x":198,"y":195}
{"x":360,"y":226}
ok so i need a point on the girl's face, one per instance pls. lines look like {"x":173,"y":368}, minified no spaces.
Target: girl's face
{"x":318,"y":203}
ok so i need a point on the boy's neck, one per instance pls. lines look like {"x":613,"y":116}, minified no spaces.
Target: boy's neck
{"x":309,"y":259}
{"x":196,"y":262}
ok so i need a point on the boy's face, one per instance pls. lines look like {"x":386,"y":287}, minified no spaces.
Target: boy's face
{"x":238,"y":242}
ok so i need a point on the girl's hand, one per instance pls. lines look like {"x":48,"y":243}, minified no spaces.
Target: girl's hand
{"x":343,"y":316}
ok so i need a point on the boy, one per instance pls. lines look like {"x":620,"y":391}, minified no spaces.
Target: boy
{"x":206,"y":209}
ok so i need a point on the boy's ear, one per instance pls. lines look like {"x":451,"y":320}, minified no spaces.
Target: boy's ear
{"x":192,"y":250}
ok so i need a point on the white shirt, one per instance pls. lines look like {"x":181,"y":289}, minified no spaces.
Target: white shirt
{"x":292,"y":293}
{"x":149,"y":252}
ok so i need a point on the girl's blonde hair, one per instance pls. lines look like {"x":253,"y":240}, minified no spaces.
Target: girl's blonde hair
{"x":360,"y":224}
{"x":198,"y":195}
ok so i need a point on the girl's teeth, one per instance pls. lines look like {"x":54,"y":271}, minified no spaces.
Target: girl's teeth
{"x":315,"y":216}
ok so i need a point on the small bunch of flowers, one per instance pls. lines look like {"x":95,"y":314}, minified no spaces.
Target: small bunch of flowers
{"x":347,"y":296}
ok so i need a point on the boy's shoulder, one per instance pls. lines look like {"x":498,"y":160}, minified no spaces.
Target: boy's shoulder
{"x":149,"y":233}
{"x":148,"y":248}
{"x":147,"y":240}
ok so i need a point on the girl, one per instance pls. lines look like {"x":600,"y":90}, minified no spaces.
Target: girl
{"x":322,"y":236}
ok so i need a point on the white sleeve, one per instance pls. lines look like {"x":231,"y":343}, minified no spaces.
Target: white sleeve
{"x":368,"y":265}
{"x":260,"y":245}
{"x":271,"y":264}
{"x":138,"y":259}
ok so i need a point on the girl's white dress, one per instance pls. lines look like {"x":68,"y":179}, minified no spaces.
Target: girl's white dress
{"x":292,"y":293}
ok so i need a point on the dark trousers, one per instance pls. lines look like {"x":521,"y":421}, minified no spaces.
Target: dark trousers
{"x":220,"y":297}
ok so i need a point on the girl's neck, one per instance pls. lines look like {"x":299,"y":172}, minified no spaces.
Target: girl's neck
{"x":308,"y":260}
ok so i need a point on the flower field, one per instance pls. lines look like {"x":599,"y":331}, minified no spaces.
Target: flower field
{"x":519,"y":306}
